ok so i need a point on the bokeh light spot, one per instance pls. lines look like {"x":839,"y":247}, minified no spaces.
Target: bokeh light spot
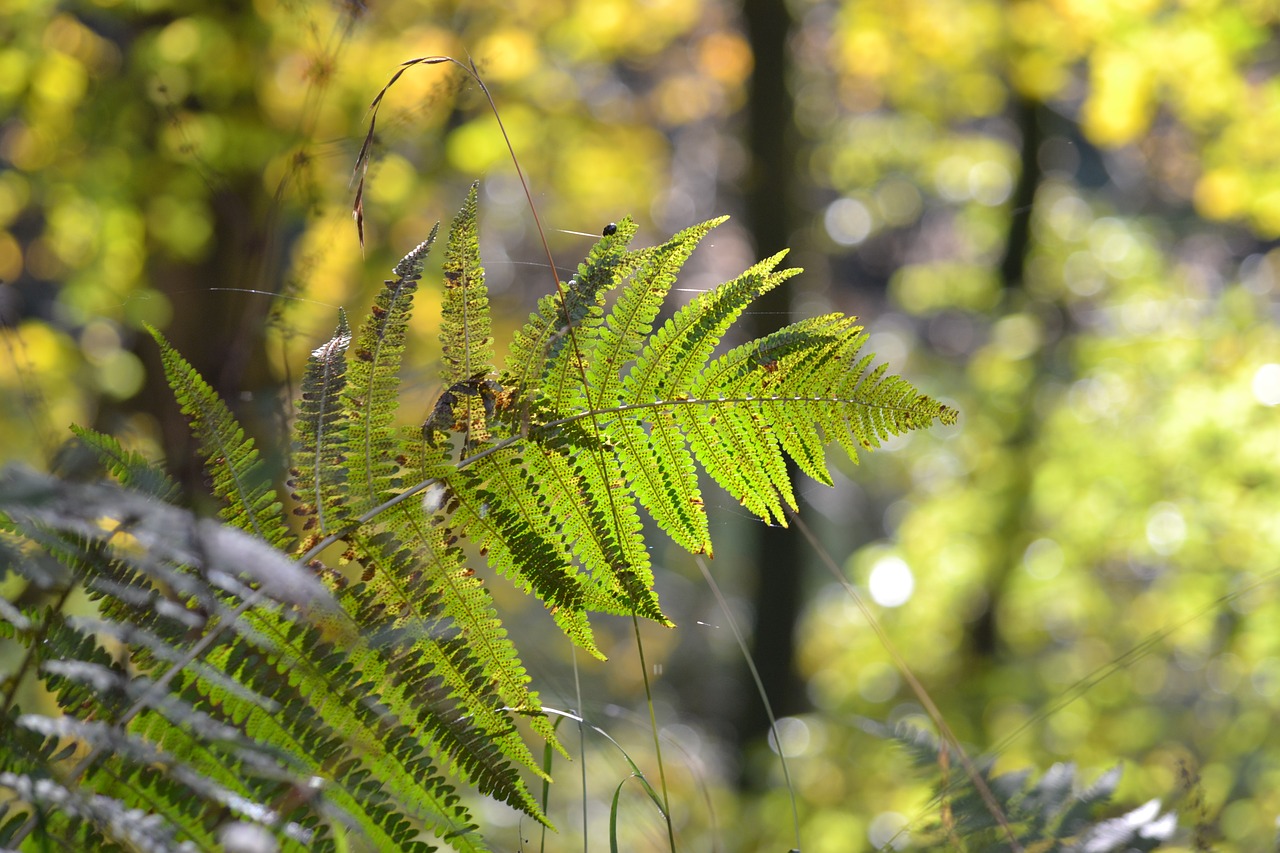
{"x":891,"y":583}
{"x":10,"y":257}
{"x":847,"y":221}
{"x":179,"y":41}
{"x":792,"y":734}
{"x":1043,"y":559}
{"x":1266,"y":384}
{"x":990,"y":183}
{"x":1166,"y":528}
{"x":878,"y":682}
{"x":886,"y":829}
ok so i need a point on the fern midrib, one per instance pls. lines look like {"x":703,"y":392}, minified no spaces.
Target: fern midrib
{"x":671,"y":404}
{"x":422,"y":485}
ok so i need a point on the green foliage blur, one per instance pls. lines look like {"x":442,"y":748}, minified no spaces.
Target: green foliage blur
{"x":1058,"y":216}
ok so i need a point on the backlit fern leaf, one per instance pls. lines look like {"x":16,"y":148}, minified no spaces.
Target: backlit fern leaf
{"x":373,"y":382}
{"x":441,"y":632}
{"x":466,"y":345}
{"x":602,"y":413}
{"x":322,"y":444}
{"x":542,"y":351}
{"x":374,"y":659}
{"x":502,"y":511}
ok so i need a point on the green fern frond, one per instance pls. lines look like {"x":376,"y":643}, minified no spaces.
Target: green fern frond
{"x":369,"y":397}
{"x":597,"y":411}
{"x":594,"y":544}
{"x":618,"y":341}
{"x":130,"y":469}
{"x":505,"y":514}
{"x":432,"y":632}
{"x":669,"y":492}
{"x":240,"y":479}
{"x":319,"y":475}
{"x":541,"y":351}
{"x":465,"y":338}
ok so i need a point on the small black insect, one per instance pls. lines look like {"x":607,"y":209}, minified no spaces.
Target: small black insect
{"x":610,"y":229}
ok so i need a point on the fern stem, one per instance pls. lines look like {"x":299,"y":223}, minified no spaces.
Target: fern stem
{"x":931,"y":708}
{"x":657,"y":741}
{"x":764,"y":697}
{"x":582,"y":741}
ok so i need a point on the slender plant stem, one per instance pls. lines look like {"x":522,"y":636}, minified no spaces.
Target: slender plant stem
{"x":931,"y":708}
{"x":764,"y":697}
{"x":582,"y":740}
{"x":657,"y":741}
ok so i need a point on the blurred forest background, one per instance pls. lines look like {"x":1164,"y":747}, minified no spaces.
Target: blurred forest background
{"x":1060,"y":217}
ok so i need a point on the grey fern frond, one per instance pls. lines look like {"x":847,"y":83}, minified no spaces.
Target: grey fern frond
{"x":1052,"y":813}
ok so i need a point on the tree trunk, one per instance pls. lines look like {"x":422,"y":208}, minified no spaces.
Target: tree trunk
{"x":771,"y":217}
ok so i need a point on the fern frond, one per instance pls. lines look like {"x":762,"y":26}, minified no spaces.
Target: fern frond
{"x":1053,"y":813}
{"x":130,"y":469}
{"x":771,"y":395}
{"x":240,"y":479}
{"x":628,"y":326}
{"x":669,"y":492}
{"x":497,"y":502}
{"x":319,"y":475}
{"x":443,"y":636}
{"x":597,"y":410}
{"x":595,"y":545}
{"x":369,"y":397}
{"x":332,"y":718}
{"x":669,"y":363}
{"x":465,"y":338}
{"x":540,"y":352}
